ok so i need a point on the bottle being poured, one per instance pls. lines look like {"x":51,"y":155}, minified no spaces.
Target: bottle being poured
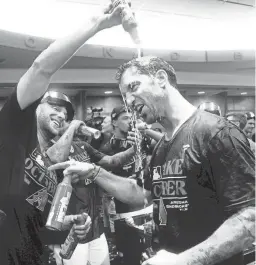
{"x":129,"y":22}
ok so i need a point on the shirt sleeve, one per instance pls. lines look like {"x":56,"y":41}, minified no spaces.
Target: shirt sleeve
{"x":232,"y":165}
{"x":95,"y":155}
{"x":16,"y":124}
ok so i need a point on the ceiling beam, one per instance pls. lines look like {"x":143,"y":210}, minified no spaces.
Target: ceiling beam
{"x":107,"y":76}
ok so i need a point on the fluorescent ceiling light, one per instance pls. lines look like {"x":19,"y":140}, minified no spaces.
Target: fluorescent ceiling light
{"x":243,"y":93}
{"x":201,"y":92}
{"x":108,"y":92}
{"x":158,"y":31}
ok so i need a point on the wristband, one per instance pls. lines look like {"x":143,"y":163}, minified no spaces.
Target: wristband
{"x":93,"y":173}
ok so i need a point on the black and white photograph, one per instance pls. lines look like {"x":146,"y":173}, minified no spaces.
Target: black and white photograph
{"x":127,"y":132}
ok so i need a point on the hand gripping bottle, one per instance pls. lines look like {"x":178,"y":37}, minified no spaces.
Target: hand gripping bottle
{"x":69,"y":246}
{"x":59,"y":206}
{"x":128,"y":20}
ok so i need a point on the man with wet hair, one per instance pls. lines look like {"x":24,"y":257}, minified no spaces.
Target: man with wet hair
{"x":201,"y":176}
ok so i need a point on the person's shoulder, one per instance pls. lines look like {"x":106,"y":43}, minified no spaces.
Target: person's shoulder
{"x":206,"y":123}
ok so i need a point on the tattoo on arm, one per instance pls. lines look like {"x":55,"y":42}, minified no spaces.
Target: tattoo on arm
{"x":59,"y":152}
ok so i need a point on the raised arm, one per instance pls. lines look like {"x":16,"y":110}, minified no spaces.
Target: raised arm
{"x":35,"y":81}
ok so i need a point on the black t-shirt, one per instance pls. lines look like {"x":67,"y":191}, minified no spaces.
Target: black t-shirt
{"x":88,"y":198}
{"x":27,"y":188}
{"x":198,"y":179}
{"x":20,"y":240}
{"x":131,"y":168}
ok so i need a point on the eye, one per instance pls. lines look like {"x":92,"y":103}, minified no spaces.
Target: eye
{"x":134,"y":86}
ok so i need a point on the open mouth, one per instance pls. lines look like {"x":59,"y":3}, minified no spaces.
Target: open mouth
{"x":56,"y":123}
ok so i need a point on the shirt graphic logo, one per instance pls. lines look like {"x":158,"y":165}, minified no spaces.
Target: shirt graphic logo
{"x":37,"y":176}
{"x":72,"y":149}
{"x":157,"y":174}
{"x":39,"y":199}
{"x":169,"y":188}
{"x":39,"y":160}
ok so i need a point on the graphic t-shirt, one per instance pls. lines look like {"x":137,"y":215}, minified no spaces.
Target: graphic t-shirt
{"x":131,"y":168}
{"x":27,"y":188}
{"x":199,"y":179}
{"x":88,"y":198}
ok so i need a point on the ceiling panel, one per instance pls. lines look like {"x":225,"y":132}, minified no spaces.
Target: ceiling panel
{"x":195,"y":8}
{"x":20,"y":58}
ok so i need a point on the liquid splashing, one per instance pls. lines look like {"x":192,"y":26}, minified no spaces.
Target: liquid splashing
{"x":139,"y":51}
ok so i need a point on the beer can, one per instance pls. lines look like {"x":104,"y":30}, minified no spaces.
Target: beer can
{"x":69,"y":246}
{"x":59,"y":206}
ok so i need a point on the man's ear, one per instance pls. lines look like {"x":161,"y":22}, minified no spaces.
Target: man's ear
{"x":161,"y":78}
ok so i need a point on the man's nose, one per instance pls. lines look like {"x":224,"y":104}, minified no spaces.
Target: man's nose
{"x":61,"y":116}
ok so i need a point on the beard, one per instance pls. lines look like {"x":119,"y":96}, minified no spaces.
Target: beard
{"x":47,"y":128}
{"x":147,"y":115}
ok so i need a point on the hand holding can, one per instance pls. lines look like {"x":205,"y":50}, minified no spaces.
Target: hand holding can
{"x":77,"y":233}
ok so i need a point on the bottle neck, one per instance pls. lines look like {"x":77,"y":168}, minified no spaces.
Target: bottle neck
{"x":67,"y":180}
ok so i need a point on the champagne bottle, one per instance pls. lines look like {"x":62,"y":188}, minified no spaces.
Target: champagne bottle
{"x":128,"y":20}
{"x":69,"y":246}
{"x":59,"y":206}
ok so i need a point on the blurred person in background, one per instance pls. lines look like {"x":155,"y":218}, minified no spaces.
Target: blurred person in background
{"x":210,"y":107}
{"x":249,"y":128}
{"x":106,"y":134}
{"x":87,"y":198}
{"x":240,"y":120}
{"x":127,"y":239}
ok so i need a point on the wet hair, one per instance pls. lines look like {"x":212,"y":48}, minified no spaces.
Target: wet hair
{"x":149,"y":65}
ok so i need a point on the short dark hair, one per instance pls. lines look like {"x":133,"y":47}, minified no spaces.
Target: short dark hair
{"x":149,"y":65}
{"x":117,"y":111}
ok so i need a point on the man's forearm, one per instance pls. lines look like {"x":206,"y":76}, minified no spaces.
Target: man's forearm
{"x":117,"y":160}
{"x":154,"y":135}
{"x":35,"y":81}
{"x":59,"y":152}
{"x":57,"y":54}
{"x":233,"y":236}
{"x":125,"y":190}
